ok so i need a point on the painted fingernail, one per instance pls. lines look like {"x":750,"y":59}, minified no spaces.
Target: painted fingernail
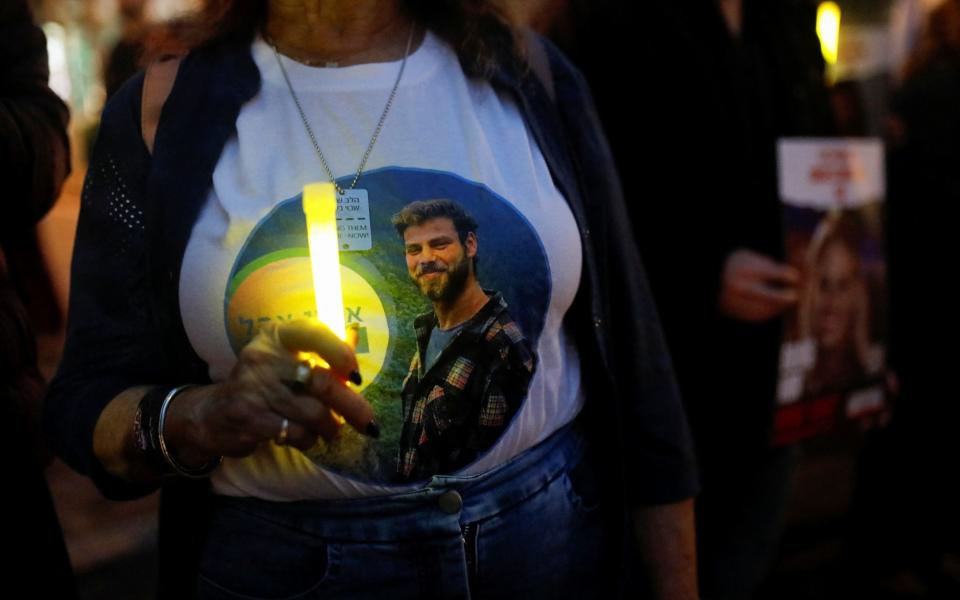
{"x":355,"y":378}
{"x":373,"y":430}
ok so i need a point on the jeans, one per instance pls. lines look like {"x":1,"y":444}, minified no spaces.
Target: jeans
{"x":530,"y":528}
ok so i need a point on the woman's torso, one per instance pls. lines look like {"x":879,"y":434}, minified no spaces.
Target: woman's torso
{"x":445,"y":136}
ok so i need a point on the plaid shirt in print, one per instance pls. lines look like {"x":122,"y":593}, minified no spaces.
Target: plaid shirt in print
{"x":464,"y":402}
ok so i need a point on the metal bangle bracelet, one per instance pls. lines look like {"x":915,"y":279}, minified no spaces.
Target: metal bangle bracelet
{"x":192,"y":473}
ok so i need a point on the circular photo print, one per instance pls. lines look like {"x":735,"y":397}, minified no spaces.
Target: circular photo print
{"x":447,"y":286}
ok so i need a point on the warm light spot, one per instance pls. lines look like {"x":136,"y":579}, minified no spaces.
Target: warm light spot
{"x":59,"y":80}
{"x":828,"y":30}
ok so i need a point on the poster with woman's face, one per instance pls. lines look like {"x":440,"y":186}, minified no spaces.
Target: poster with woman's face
{"x":833,"y":357}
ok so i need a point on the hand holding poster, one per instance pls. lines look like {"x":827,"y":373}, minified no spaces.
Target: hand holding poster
{"x":832,"y":362}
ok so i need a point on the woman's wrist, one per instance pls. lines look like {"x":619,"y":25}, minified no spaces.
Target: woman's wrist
{"x":185,"y":441}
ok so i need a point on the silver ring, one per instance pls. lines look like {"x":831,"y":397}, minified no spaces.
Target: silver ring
{"x":301,"y":378}
{"x":284,"y":433}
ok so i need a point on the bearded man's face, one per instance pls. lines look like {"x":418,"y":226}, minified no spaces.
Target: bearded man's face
{"x":436,"y":260}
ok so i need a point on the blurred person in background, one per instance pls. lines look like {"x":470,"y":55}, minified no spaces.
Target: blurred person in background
{"x":719,"y":81}
{"x":34,"y":161}
{"x":123,"y":62}
{"x":906,"y":525}
{"x":233,"y":145}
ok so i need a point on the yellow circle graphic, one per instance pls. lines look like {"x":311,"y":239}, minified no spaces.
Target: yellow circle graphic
{"x":282,"y":290}
{"x":362,"y":305}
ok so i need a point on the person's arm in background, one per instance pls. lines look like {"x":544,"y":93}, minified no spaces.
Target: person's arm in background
{"x":34,"y":161}
{"x":667,"y":541}
{"x":34,"y":148}
{"x":756,"y":288}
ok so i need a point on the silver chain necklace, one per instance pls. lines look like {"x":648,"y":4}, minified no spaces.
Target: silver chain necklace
{"x":376,"y":132}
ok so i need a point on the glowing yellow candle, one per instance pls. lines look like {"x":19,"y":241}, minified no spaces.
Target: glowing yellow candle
{"x":320,"y":208}
{"x":828,"y":29}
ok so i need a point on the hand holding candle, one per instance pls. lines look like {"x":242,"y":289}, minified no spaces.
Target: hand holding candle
{"x":264,"y":397}
{"x":320,"y":211}
{"x":254,"y":404}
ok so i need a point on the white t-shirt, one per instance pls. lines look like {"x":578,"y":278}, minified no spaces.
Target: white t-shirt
{"x":446,"y":136}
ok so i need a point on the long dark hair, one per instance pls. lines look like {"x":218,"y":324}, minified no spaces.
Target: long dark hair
{"x":479,"y":31}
